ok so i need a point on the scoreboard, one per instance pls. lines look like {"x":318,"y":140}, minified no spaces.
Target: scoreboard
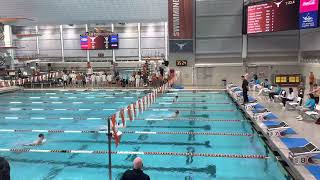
{"x":273,"y":16}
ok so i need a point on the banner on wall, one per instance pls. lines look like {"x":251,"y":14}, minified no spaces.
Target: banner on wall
{"x":181,"y":45}
{"x":180,"y":25}
{"x":309,"y":14}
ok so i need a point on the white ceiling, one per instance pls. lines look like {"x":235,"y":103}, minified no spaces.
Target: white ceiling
{"x":84,"y":11}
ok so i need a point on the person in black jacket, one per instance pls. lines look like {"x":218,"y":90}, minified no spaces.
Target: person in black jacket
{"x":245,"y":89}
{"x":4,"y":169}
{"x":136,"y":173}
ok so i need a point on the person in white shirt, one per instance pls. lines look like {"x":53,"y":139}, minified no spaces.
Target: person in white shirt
{"x":65,"y":79}
{"x":90,"y":71}
{"x":137,"y":80}
{"x":104,"y":79}
{"x":131,"y":81}
{"x":74,"y":79}
{"x":98,"y":80}
{"x":88,"y":79}
{"x":92,"y":80}
{"x":290,"y":97}
{"x":109,"y":79}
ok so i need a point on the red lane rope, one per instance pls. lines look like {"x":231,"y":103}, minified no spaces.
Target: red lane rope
{"x":194,"y":133}
{"x":195,"y":119}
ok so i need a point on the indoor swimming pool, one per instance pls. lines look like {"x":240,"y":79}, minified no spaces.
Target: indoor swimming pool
{"x":207,"y":122}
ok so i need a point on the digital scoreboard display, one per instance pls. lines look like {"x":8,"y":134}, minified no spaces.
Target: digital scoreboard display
{"x":272,"y":16}
{"x":99,"y":41}
{"x":113,"y":41}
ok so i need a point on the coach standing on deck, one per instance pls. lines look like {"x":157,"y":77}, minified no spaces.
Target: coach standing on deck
{"x":245,"y":90}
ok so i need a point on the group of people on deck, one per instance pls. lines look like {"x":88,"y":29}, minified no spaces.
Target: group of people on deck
{"x":265,"y":87}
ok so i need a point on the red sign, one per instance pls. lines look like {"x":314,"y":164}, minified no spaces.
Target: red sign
{"x":180,"y":19}
{"x":309,"y":5}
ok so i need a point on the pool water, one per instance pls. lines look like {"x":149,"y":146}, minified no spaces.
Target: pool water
{"x":75,"y":110}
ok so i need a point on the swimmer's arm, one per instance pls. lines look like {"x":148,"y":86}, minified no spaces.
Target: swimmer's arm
{"x":36,"y":143}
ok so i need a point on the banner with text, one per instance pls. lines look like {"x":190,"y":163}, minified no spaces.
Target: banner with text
{"x":180,"y":25}
{"x":309,"y":13}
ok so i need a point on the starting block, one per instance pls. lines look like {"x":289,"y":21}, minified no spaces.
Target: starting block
{"x":276,"y":132}
{"x":306,"y":158}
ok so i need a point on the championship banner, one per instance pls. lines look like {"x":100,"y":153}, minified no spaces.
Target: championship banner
{"x":180,"y":25}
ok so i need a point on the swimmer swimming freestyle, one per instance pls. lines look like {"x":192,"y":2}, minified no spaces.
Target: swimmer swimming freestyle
{"x":41,"y":140}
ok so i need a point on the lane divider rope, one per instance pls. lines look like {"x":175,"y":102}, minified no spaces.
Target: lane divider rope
{"x":239,"y":156}
{"x":191,"y":119}
{"x":187,"y":110}
{"x":186,"y":102}
{"x":124,"y":132}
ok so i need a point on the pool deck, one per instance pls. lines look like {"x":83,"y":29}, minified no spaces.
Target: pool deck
{"x":9,"y":89}
{"x":304,"y":129}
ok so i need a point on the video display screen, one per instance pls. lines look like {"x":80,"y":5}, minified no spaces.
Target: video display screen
{"x":99,"y":42}
{"x":272,"y":16}
{"x":113,"y":41}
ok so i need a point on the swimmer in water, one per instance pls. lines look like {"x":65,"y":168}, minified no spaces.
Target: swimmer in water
{"x":175,"y":99}
{"x":38,"y":142}
{"x":176,"y":114}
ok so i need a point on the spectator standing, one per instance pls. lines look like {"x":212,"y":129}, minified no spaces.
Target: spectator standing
{"x":104,"y":79}
{"x":138,"y":79}
{"x":245,"y":90}
{"x":65,"y":79}
{"x":109,"y":79}
{"x":312,"y":80}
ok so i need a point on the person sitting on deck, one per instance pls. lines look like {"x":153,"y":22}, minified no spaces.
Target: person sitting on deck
{"x":309,"y":106}
{"x":316,"y":93}
{"x":136,"y":173}
{"x":256,"y":82}
{"x":290,"y":97}
{"x":38,"y":142}
{"x":266,"y":87}
{"x":276,"y":92}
